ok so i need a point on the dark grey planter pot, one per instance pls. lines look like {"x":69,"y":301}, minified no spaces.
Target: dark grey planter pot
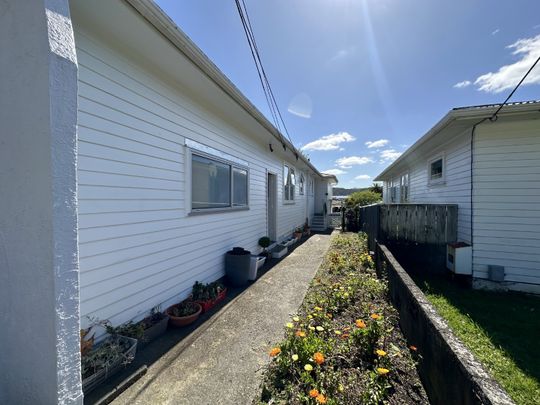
{"x":154,"y":331}
{"x":237,"y":263}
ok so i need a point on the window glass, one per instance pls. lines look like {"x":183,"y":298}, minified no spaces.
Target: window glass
{"x":301,"y":185}
{"x":210,"y":183}
{"x":240,"y":187}
{"x":289,"y":181}
{"x":436,"y":169}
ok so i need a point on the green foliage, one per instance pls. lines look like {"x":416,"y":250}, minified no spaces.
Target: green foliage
{"x":109,"y":353}
{"x":206,"y":292}
{"x":264,"y":242}
{"x":129,"y":329}
{"x":185,"y":308}
{"x":361,"y":198}
{"x":376,"y":188}
{"x":335,"y":347}
{"x":507,"y":344}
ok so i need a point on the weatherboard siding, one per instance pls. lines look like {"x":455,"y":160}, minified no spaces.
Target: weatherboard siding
{"x":138,"y":246}
{"x":507,"y":200}
{"x":457,"y":186}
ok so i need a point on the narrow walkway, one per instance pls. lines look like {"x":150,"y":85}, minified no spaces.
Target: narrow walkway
{"x":223,"y":362}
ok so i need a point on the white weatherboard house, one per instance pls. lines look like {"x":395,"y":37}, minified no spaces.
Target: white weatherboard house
{"x":492,"y":173}
{"x":129,"y":165}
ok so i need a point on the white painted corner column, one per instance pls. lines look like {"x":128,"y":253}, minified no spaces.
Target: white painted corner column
{"x":39,"y":277}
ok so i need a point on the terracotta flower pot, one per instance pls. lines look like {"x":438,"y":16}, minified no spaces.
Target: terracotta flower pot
{"x":298,"y":235}
{"x":179,"y":321}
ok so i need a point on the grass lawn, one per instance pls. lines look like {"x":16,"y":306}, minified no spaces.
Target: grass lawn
{"x":501,"y":329}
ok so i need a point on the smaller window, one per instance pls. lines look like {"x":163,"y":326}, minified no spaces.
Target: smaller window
{"x":404,"y":188}
{"x":289,"y":182}
{"x":436,"y":170}
{"x":301,"y":184}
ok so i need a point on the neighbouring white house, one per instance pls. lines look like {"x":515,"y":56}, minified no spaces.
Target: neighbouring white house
{"x":492,"y":172}
{"x":129,"y":165}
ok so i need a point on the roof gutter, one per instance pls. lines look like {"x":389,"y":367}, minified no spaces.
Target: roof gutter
{"x":456,"y":115}
{"x":152,"y":13}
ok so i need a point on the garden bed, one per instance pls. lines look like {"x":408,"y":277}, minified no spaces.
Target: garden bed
{"x":344,"y":346}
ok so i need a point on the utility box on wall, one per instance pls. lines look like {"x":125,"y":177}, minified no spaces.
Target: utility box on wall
{"x":459,"y":258}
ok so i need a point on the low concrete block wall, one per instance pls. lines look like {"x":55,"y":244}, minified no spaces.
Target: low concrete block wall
{"x":449,"y":371}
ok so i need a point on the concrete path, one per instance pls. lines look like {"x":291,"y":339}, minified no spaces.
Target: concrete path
{"x":222,"y":361}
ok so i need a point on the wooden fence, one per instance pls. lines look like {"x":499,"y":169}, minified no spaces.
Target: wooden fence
{"x":434,"y":224}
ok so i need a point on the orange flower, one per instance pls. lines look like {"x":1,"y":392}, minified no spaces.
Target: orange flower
{"x":375,"y":316}
{"x":300,"y":333}
{"x":321,"y":399}
{"x":319,"y":358}
{"x":360,"y":323}
{"x":345,"y":336}
{"x":347,"y":328}
{"x":275,"y":351}
{"x":413,"y":348}
{"x":314,"y":393}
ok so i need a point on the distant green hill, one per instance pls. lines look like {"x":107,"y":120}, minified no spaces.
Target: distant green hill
{"x":340,"y":191}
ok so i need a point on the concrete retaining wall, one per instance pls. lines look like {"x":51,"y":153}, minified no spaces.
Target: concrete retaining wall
{"x":449,"y":372}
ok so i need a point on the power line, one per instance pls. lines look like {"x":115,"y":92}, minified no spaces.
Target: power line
{"x":267,"y":88}
{"x":494,"y":116}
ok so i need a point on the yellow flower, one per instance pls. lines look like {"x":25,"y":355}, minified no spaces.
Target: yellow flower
{"x":318,"y":309}
{"x":295,"y":357}
{"x":341,"y":388}
{"x":375,"y":316}
{"x":308,"y":367}
{"x":275,"y":351}
{"x":346,"y":295}
{"x":289,"y":325}
{"x":319,"y":358}
{"x":382,"y":371}
{"x":319,"y":328}
{"x":360,"y":323}
{"x":296,"y":319}
{"x":310,"y":317}
{"x":321,"y":399}
{"x":311,"y":328}
{"x":380,"y":352}
{"x":314,"y":393}
{"x":337,"y":332}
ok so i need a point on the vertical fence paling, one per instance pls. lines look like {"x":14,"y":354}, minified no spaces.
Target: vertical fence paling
{"x":419,"y":223}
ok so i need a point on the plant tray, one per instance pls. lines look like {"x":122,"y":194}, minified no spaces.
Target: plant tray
{"x":92,"y":381}
{"x":279,"y":251}
{"x":208,"y":305}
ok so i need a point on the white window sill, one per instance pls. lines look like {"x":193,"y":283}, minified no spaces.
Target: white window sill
{"x":216,"y":211}
{"x":289,"y":202}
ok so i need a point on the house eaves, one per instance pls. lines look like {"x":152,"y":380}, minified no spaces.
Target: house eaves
{"x":461,"y":114}
{"x":156,"y":17}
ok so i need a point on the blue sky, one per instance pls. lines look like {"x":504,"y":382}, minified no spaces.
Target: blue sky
{"x":359,"y":81}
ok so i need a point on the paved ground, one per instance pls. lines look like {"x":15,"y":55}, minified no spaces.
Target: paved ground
{"x":222,"y":363}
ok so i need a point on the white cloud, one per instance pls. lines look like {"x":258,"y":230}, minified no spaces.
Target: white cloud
{"x":496,"y":31}
{"x":329,"y":142}
{"x":464,"y":83}
{"x":363,"y":177}
{"x":508,"y":76}
{"x":377,"y":144}
{"x":348,"y":162}
{"x":335,"y":172}
{"x":389,"y":155}
{"x":342,"y":54}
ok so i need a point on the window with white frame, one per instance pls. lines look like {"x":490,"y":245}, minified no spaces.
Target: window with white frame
{"x":289,"y":183}
{"x":436,"y":170}
{"x":404,"y":188}
{"x":217,"y":184}
{"x":301,"y":184}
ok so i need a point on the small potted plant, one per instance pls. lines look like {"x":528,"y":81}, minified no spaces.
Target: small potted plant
{"x":208,"y":295}
{"x":184,"y":313}
{"x":264,"y":242}
{"x":298,"y":231}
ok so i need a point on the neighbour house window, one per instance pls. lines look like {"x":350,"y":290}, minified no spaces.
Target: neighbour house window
{"x":436,"y":170}
{"x":217,"y":184}
{"x":289,"y":181}
{"x":393,"y":193}
{"x":404,"y":188}
{"x":301,"y":184}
